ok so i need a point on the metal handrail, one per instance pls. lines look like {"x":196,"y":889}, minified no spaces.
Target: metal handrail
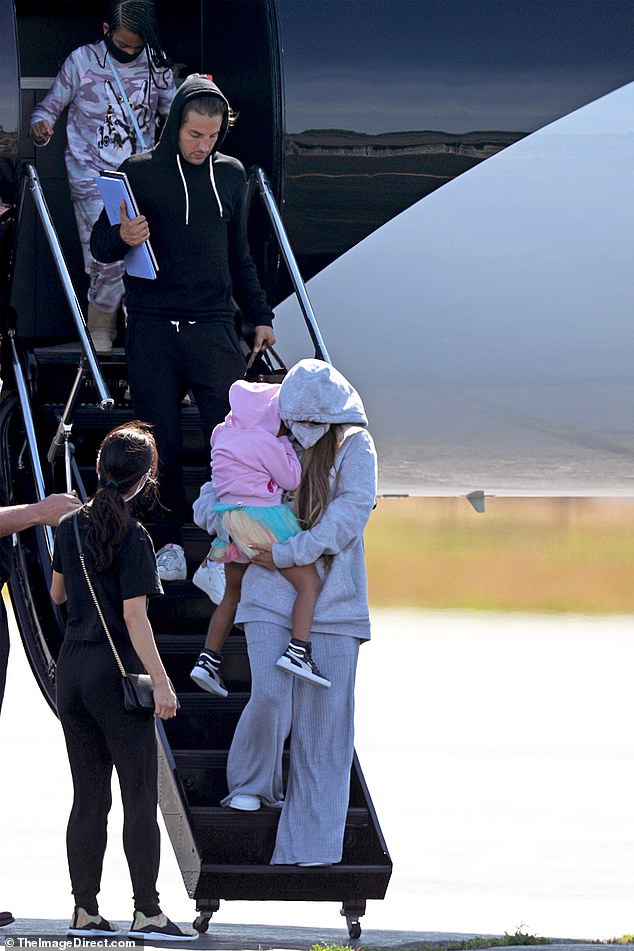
{"x":266,"y":192}
{"x":29,"y":428}
{"x":106,"y":402}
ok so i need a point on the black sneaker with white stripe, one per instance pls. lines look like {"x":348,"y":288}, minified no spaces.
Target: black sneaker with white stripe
{"x":206,"y":674}
{"x":299,"y":661}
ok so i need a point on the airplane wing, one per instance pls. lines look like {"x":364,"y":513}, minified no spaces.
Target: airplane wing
{"x":489,"y":327}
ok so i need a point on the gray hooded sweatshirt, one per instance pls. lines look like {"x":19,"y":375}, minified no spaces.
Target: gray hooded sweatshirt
{"x":315,"y":391}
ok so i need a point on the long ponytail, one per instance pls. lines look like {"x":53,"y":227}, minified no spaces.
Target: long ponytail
{"x":127,"y":454}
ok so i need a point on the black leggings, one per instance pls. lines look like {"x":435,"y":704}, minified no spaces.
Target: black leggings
{"x":99,"y":733}
{"x":4,"y":647}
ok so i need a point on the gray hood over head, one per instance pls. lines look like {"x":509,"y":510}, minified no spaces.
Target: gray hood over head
{"x":314,"y":391}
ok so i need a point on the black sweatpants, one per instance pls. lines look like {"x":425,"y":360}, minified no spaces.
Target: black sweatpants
{"x":99,"y":733}
{"x":164,"y":362}
{"x":4,"y":647}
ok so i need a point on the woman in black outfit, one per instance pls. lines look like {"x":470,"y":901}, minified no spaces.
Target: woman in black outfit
{"x":99,"y":732}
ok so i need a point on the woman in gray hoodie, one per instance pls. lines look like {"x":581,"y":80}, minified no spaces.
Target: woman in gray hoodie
{"x":319,"y":407}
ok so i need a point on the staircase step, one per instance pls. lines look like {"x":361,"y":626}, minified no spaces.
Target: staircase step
{"x":205,"y":721}
{"x":345,"y":882}
{"x":228,"y":836}
{"x":179,"y":654}
{"x":203,"y":776}
{"x":183,"y":608}
{"x":91,"y":423}
{"x":57,"y":366}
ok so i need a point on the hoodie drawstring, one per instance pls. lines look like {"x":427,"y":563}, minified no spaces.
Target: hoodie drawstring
{"x":213,"y":185}
{"x":180,"y":169}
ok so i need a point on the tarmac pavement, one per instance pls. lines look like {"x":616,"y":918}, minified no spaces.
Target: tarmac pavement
{"x":498,"y":751}
{"x":39,"y":934}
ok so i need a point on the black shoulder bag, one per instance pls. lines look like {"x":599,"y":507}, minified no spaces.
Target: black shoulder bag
{"x":262,"y":369}
{"x":137,"y":688}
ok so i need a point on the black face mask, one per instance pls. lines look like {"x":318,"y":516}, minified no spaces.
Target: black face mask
{"x":120,"y":55}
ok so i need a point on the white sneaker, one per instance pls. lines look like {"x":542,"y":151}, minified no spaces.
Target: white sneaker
{"x":171,"y":564}
{"x":245,"y":802}
{"x":210,"y":578}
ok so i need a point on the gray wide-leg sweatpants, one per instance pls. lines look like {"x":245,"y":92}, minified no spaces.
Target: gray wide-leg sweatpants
{"x":313,"y":815}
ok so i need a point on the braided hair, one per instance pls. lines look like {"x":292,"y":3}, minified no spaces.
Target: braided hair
{"x":127,"y":454}
{"x":138,"y":16}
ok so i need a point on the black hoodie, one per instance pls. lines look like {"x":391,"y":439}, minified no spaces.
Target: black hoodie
{"x":197,"y":230}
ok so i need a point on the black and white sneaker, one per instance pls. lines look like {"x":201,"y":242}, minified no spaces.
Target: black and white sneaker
{"x":299,"y":662}
{"x":158,"y":928}
{"x":207,"y":675}
{"x":83,"y":925}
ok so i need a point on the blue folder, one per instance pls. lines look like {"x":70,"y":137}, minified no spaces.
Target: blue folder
{"x":115,"y":188}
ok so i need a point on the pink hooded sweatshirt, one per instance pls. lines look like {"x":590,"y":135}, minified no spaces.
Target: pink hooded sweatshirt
{"x":250,"y":463}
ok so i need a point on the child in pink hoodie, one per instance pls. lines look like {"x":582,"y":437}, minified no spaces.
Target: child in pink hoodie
{"x":253,"y":463}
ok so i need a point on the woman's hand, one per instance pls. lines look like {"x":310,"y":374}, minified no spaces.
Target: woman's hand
{"x":164,"y":701}
{"x":264,"y":557}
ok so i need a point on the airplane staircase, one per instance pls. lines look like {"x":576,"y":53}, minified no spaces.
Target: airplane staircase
{"x":222,"y":854}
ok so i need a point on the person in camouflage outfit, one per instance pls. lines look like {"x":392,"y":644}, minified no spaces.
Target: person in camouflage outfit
{"x":100,"y":132}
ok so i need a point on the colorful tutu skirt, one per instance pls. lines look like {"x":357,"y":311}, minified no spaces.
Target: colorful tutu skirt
{"x":248,"y":525}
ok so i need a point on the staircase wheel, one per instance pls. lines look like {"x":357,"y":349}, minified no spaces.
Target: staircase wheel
{"x":201,"y":924}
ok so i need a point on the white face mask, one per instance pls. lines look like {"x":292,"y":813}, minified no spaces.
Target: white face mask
{"x":139,"y":487}
{"x":307,"y":434}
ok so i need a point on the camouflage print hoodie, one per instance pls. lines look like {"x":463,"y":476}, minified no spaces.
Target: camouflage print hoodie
{"x":99,"y":131}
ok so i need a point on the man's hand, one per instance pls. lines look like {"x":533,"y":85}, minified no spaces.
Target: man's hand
{"x":264,"y":557}
{"x":42,"y":132}
{"x":264,"y":337}
{"x":54,"y":507}
{"x":133,"y":231}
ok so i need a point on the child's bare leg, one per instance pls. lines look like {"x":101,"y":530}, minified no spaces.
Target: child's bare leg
{"x":307,"y":584}
{"x":224,"y":615}
{"x":297,"y":659}
{"x":206,"y":672}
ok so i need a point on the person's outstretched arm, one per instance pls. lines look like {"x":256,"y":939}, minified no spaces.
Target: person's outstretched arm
{"x":48,"y":111}
{"x":15,"y":518}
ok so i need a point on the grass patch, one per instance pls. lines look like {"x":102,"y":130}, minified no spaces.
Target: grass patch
{"x":534,"y":555}
{"x":468,"y":944}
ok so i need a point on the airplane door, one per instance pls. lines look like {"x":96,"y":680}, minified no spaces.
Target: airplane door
{"x":9,"y":125}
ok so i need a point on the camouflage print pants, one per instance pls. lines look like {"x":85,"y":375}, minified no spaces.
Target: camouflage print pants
{"x":106,"y":280}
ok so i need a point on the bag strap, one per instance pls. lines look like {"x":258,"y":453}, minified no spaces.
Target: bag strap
{"x":265,"y":355}
{"x":126,"y":101}
{"x":94,"y":596}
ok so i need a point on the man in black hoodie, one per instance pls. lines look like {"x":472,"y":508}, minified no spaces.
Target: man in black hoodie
{"x":180,"y":332}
